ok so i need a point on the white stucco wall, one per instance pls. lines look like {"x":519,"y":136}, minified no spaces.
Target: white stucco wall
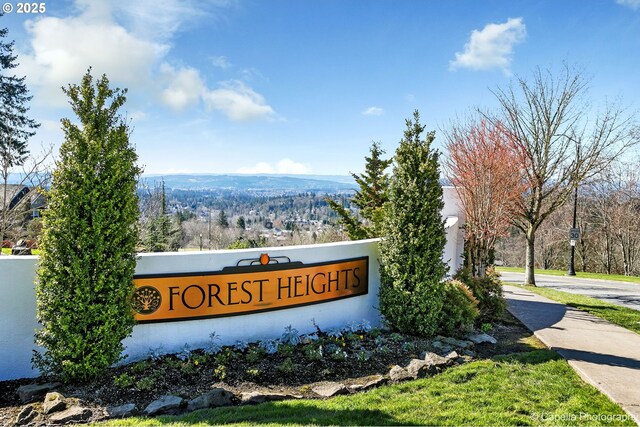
{"x":454,"y":248}
{"x":252,"y":327}
{"x":18,"y":304}
{"x":17,"y":315}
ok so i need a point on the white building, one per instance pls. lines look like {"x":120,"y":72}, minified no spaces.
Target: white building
{"x":453,"y":214}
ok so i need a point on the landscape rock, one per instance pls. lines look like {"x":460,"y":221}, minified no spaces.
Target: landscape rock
{"x":212,"y":399}
{"x":438,"y":345}
{"x":420,"y":368}
{"x":354,"y":388}
{"x":469,"y":353}
{"x":435,"y":360}
{"x":482,"y":338}
{"x":454,"y":342}
{"x":31,"y":392}
{"x":453,"y":356}
{"x":164,"y":405}
{"x":372,"y":381}
{"x":26,"y":415}
{"x":255,"y":397}
{"x":122,"y":411}
{"x":398,"y":373}
{"x":53,"y":402}
{"x":75,"y":413}
{"x":330,"y":389}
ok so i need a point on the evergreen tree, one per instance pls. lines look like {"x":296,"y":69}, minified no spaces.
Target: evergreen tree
{"x":85,"y":278}
{"x":161,"y":233}
{"x":15,"y":126}
{"x":241,"y":223}
{"x":370,"y":199}
{"x":222,"y":220}
{"x":412,"y":269}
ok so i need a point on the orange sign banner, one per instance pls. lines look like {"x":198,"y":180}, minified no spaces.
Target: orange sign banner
{"x":265,"y":284}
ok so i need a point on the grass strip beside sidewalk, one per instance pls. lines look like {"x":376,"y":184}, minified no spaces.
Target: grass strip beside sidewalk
{"x":622,"y":316}
{"x":579,"y":274}
{"x":533,"y":388}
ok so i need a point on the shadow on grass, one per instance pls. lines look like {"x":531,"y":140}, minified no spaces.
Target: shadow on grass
{"x":591,"y":308}
{"x":284,"y":413}
{"x":598,"y":358}
{"x":534,"y":357}
{"x":626,"y":317}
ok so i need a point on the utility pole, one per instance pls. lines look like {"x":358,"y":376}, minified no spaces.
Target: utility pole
{"x":572,"y":236}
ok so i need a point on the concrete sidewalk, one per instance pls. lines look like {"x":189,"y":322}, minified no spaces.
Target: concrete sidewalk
{"x":603,"y":354}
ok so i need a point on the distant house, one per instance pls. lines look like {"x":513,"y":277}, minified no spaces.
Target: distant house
{"x":21,"y":195}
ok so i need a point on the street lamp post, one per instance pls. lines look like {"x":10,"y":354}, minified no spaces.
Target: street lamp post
{"x":572,"y":270}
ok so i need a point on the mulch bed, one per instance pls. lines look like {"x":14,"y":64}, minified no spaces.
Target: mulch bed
{"x":326,"y":357}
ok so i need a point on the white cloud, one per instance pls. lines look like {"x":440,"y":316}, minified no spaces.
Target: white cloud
{"x":284,"y":166}
{"x":137,"y":116}
{"x":51,"y":125}
{"x":102,"y":34}
{"x":491,"y":47}
{"x":62,"y":49}
{"x":633,"y":4}
{"x":290,"y":167}
{"x":252,"y":74}
{"x":161,"y":19}
{"x":185,"y":87}
{"x":238,"y":102}
{"x":221,"y":62}
{"x":373,"y":111}
{"x":262,"y":167}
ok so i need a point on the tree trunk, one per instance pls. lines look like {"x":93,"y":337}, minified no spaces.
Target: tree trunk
{"x":4,"y":207}
{"x":583,"y":255}
{"x":609,"y":255}
{"x":529,"y":278}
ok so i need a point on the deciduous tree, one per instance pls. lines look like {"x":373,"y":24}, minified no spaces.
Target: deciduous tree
{"x":483,"y":167}
{"x":558,"y":141}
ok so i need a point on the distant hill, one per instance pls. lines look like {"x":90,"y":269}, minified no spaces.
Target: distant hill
{"x":256,"y":183}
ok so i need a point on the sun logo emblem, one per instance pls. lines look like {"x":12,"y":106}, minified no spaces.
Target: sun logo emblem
{"x":146,"y":300}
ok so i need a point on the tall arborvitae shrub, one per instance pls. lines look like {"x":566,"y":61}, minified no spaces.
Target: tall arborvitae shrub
{"x":411,"y":290}
{"x":85,"y":278}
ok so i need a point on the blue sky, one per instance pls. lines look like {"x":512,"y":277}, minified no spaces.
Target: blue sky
{"x":228,"y":86}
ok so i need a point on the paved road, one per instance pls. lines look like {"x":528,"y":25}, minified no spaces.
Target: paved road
{"x":620,"y":293}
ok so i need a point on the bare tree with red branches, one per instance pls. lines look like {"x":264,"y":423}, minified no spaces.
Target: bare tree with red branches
{"x":484,"y":168}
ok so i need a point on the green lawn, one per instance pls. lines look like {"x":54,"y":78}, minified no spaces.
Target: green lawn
{"x":534,"y":388}
{"x":7,"y":251}
{"x":616,"y":277}
{"x":622,"y":316}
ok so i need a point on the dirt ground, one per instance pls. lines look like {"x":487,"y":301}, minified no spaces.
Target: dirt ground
{"x":351,"y":358}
